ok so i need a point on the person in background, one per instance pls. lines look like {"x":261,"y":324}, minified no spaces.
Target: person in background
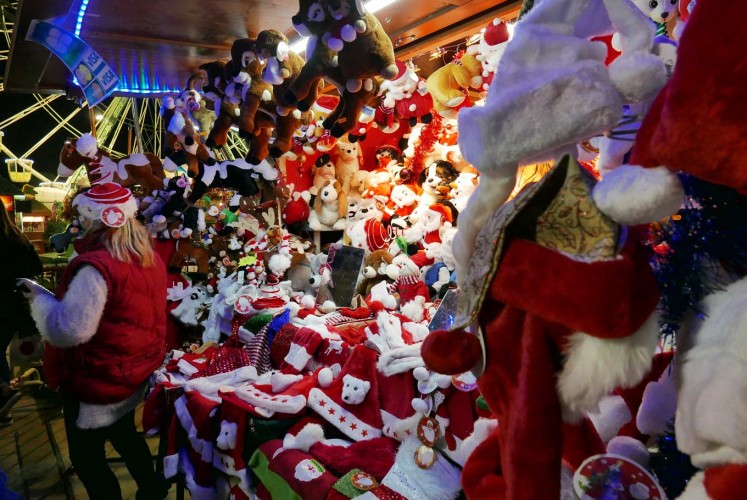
{"x":18,"y":259}
{"x":105,"y":334}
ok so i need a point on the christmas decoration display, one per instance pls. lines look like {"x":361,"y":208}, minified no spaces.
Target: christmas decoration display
{"x":503,"y":322}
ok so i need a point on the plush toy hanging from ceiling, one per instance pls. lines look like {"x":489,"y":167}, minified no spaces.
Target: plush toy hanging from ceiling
{"x":219,"y":75}
{"x":408,"y":96}
{"x":353,"y":69}
{"x":448,"y":85}
{"x":490,"y":49}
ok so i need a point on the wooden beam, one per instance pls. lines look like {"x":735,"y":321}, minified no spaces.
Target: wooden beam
{"x":462,"y":30}
{"x":152,"y":40}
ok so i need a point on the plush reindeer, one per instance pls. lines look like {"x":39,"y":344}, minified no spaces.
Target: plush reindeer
{"x":140,"y":169}
{"x":219,"y":75}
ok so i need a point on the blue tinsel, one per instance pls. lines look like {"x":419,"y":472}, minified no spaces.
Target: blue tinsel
{"x":710,"y":230}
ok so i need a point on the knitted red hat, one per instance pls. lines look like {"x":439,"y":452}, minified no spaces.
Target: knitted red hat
{"x":377,"y":237}
{"x":108,"y":202}
{"x":351,"y":403}
{"x":305,"y":343}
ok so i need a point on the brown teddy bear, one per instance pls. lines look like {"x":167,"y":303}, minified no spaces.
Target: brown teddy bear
{"x":217,"y":75}
{"x":370,"y":55}
{"x":375,"y":271}
{"x":246,"y":59}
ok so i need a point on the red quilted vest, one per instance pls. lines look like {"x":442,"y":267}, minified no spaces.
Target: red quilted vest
{"x":130,"y":341}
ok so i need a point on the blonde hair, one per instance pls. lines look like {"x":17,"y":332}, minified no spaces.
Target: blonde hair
{"x":126,"y":243}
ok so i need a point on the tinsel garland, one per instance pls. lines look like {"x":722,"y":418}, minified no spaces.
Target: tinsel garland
{"x":427,"y":140}
{"x":700,"y":250}
{"x":671,"y":467}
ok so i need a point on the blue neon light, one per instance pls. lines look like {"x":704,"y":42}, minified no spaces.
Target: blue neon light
{"x":137,"y":87}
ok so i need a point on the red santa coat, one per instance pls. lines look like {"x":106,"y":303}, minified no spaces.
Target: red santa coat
{"x":527,"y":320}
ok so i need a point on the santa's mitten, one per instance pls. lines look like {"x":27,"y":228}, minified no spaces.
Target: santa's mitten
{"x":351,"y":402}
{"x":305,"y":343}
{"x":451,"y":352}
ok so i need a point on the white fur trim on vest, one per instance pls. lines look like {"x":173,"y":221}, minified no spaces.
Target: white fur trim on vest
{"x":92,"y":416}
{"x":594,"y":367}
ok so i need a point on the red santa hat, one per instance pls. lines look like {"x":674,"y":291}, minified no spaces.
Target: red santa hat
{"x":496,"y":33}
{"x":351,"y":402}
{"x":108,"y":202}
{"x":447,"y":215}
{"x":401,"y":70}
{"x":305,"y":343}
{"x":326,"y":104}
{"x":283,"y":393}
{"x":679,"y":122}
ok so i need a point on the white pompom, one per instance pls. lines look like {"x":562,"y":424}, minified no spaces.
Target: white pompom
{"x":421,"y":374}
{"x":326,"y":377}
{"x":635,"y":195}
{"x":419,"y":405}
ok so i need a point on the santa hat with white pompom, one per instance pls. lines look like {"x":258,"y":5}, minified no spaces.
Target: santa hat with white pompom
{"x":108,"y":202}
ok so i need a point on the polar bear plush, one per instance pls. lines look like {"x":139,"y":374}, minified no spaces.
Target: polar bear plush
{"x":354,"y":389}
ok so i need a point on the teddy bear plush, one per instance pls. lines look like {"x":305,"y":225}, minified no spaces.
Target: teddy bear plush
{"x":660,"y":12}
{"x":245,"y":58}
{"x":448,"y":85}
{"x":324,"y":170}
{"x":375,"y":270}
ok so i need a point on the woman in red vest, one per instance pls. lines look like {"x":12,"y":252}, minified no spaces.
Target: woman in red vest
{"x":105,"y":331}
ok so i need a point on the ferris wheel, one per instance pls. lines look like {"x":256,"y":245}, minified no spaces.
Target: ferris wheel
{"x":122,"y":125}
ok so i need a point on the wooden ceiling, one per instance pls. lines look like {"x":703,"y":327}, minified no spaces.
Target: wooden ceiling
{"x":157,"y":45}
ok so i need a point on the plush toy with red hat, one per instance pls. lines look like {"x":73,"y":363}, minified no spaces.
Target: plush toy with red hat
{"x":408,"y":284}
{"x":490,"y":49}
{"x":404,"y":199}
{"x":408,"y":95}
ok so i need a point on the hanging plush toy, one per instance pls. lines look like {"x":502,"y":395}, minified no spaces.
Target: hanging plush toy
{"x":256,"y":91}
{"x":448,"y":85}
{"x":408,"y":96}
{"x":490,"y":49}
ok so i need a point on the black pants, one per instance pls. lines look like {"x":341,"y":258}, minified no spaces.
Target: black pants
{"x":88,"y":456}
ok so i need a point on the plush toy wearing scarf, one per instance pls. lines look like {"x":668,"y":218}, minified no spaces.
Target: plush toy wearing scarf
{"x":564,"y":299}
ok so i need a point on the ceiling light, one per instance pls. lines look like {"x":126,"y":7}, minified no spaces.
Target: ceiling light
{"x":372,"y":6}
{"x":99,"y":116}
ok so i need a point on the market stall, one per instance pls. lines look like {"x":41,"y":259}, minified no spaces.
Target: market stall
{"x":442,"y":268}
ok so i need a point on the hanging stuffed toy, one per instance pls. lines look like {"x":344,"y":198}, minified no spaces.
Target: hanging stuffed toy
{"x":448,"y":85}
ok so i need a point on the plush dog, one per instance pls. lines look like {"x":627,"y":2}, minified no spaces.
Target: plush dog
{"x":348,"y":162}
{"x":436,"y":182}
{"x":324,"y":171}
{"x":330,"y":207}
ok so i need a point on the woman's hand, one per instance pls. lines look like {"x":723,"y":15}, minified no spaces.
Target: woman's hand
{"x":31,"y":289}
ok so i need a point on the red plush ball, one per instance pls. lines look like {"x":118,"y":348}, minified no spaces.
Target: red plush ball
{"x":451,"y":353}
